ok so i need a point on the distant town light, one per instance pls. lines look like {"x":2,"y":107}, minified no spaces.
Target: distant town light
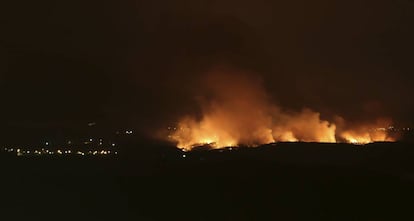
{"x":91,"y":124}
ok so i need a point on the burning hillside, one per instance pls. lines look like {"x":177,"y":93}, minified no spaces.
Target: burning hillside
{"x":235,"y":110}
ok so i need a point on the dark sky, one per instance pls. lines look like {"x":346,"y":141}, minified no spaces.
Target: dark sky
{"x":138,"y":62}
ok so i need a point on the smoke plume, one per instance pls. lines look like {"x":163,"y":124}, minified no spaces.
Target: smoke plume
{"x":235,"y":110}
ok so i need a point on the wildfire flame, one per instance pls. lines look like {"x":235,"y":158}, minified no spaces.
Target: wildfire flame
{"x":239,"y":113}
{"x":361,"y":137}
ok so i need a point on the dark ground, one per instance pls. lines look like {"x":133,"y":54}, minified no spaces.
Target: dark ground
{"x":152,"y":181}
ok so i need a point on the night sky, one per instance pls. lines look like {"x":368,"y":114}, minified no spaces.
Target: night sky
{"x":139,"y":63}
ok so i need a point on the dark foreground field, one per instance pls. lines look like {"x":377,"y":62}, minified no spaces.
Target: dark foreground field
{"x":152,"y":181}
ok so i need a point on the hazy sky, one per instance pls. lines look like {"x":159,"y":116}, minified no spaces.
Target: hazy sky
{"x":140,"y":62}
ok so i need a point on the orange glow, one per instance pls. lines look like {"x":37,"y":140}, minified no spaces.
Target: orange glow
{"x":238,"y":112}
{"x":304,"y":126}
{"x":356,"y":137}
{"x":191,"y":133}
{"x":223,"y":131}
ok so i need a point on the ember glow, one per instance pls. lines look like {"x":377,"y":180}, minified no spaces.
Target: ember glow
{"x":366,"y":136}
{"x":238,"y":112}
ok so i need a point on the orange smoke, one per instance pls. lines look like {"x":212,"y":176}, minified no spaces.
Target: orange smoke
{"x":236,"y":111}
{"x":304,"y":126}
{"x":368,"y":133}
{"x":365,"y":137}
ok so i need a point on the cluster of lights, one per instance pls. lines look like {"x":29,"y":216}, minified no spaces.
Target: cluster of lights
{"x":172,"y":128}
{"x":89,"y":141}
{"x":392,"y":128}
{"x":129,"y":132}
{"x":23,"y":152}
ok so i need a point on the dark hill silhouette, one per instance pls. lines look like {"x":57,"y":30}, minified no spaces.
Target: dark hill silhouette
{"x":283,"y":181}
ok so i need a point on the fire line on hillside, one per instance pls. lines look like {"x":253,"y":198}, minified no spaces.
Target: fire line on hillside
{"x":239,"y":112}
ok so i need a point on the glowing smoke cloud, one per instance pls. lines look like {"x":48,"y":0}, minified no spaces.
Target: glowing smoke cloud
{"x":237,"y":111}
